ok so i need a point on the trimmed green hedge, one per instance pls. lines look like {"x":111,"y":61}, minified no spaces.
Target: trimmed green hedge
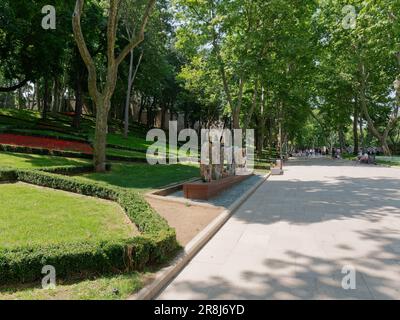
{"x":7,"y":175}
{"x":46,"y":152}
{"x":66,"y":154}
{"x":72,"y":169}
{"x":156,"y":242}
{"x":10,"y":175}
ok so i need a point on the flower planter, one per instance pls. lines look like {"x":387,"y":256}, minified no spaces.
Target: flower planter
{"x":45,"y":143}
{"x":206,"y":190}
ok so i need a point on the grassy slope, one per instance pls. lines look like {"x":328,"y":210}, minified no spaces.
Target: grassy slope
{"x":126,"y":153}
{"x":30,"y":122}
{"x":32,"y":215}
{"x":132,"y":141}
{"x":25,"y":115}
{"x":29,"y":161}
{"x":140,"y":177}
{"x":25,"y":121}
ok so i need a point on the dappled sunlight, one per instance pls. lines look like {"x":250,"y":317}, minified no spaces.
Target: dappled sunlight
{"x":300,"y":276}
{"x":293,"y":237}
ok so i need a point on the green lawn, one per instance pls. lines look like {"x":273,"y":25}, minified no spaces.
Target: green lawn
{"x":392,"y":161}
{"x":112,"y":287}
{"x":32,"y":215}
{"x":126,"y":153}
{"x":144,"y":177}
{"x":29,"y":161}
{"x":25,"y":115}
{"x":134,"y":142}
{"x":130,"y":142}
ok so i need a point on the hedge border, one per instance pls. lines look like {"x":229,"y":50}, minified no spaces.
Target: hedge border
{"x":44,"y":152}
{"x":66,"y":154}
{"x":10,"y":174}
{"x":154,"y":245}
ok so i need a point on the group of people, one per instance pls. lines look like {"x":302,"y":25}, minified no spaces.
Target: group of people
{"x":367,"y":155}
{"x":310,"y":153}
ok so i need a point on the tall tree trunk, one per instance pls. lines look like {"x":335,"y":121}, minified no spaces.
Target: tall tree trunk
{"x":362,"y":138}
{"x":37,"y":95}
{"x":56,"y":96}
{"x":103,"y":99}
{"x":261,"y":138}
{"x":262,"y":122}
{"x":100,"y":140}
{"x":142,"y":104}
{"x":164,"y":109}
{"x":76,"y":121}
{"x":45,"y":98}
{"x":280,"y":130}
{"x":355,"y":128}
{"x":128,"y":97}
{"x":252,"y":108}
{"x":341,"y":139}
{"x":237,"y":107}
{"x":131,"y":79}
{"x":150,"y":113}
{"x":381,"y":137}
{"x":385,"y":145}
{"x":20,"y":99}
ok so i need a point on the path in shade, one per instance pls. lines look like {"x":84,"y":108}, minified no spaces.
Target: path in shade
{"x":292,"y":238}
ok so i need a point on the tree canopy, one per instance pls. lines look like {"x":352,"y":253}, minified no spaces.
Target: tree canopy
{"x":301,"y":73}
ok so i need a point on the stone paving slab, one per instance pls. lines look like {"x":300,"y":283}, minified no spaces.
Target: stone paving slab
{"x":294,"y":235}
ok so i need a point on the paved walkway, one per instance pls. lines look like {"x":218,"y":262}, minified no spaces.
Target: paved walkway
{"x":292,"y":238}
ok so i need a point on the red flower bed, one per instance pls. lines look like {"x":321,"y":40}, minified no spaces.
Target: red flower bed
{"x":45,"y":143}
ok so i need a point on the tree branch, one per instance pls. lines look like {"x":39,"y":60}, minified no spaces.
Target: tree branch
{"x":252,"y":108}
{"x":364,"y":106}
{"x":15,"y":87}
{"x":85,"y":54}
{"x":112,"y":31}
{"x":139,"y":37}
{"x":112,"y":67}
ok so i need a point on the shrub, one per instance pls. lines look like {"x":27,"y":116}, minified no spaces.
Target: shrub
{"x":47,"y":152}
{"x":25,"y":263}
{"x":72,"y":169}
{"x":66,"y":154}
{"x":11,"y":174}
{"x":7,"y":175}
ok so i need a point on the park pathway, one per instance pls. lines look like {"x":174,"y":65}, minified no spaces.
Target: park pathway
{"x":293,"y":237}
